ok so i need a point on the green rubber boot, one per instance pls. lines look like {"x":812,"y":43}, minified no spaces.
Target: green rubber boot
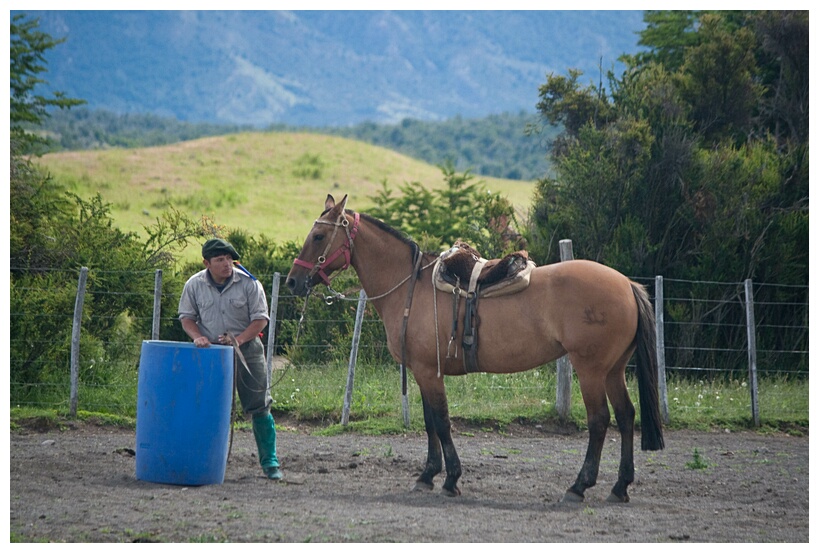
{"x":264,"y":430}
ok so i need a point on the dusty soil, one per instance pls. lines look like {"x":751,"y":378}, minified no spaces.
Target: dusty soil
{"x":78,"y":484}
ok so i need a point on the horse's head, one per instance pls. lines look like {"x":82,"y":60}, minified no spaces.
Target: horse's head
{"x":327,"y":248}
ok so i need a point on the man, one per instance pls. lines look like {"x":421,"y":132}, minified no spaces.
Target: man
{"x":222,"y":302}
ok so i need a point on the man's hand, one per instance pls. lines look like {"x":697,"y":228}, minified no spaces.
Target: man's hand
{"x":201,"y":342}
{"x":192,"y":330}
{"x":229,"y":339}
{"x":225,"y":340}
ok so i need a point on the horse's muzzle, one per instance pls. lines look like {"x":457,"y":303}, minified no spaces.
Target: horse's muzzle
{"x":298,"y":286}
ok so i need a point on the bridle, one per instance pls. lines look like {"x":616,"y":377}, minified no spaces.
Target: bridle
{"x":346,"y":248}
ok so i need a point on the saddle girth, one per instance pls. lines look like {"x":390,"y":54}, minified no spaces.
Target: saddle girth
{"x":469,"y":342}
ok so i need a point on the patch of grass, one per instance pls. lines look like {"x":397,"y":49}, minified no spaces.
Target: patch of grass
{"x":378,"y":426}
{"x":210,"y":538}
{"x":107,"y":419}
{"x":485,"y":402}
{"x":698,"y":462}
{"x":140,"y":536}
{"x":17,"y":537}
{"x":37,"y":418}
{"x":704,"y":404}
{"x":309,"y":166}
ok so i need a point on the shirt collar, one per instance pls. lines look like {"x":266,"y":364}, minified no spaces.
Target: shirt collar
{"x":209,"y":279}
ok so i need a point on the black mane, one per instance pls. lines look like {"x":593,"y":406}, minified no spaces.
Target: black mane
{"x":400,"y":235}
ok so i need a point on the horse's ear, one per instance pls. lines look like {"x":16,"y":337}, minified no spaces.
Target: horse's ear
{"x":329,"y":203}
{"x":344,"y":202}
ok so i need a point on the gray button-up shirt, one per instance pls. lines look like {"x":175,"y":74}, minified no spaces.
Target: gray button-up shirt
{"x":240,"y":302}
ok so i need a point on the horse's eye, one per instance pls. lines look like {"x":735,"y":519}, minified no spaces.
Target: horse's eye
{"x":318,"y":238}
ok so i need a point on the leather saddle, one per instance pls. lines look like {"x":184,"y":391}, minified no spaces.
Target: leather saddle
{"x":461,"y":269}
{"x":462,"y":272}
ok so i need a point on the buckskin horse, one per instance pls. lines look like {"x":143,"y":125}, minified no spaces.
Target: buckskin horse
{"x":585,"y":310}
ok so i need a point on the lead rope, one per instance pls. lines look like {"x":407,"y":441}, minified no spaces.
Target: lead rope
{"x":295,"y":341}
{"x":233,"y":411}
{"x":339,"y":296}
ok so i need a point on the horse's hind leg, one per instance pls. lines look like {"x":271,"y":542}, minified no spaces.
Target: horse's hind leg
{"x":439,"y":435}
{"x":434,"y":460}
{"x":624,"y":414}
{"x":597,"y":414}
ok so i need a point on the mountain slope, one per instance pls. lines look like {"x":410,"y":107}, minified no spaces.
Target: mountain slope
{"x":265,"y":183}
{"x":326,"y":68}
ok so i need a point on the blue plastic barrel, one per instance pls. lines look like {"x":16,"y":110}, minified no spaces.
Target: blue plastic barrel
{"x":184,"y":396}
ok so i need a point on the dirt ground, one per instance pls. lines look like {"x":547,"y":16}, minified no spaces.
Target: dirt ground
{"x":78,"y":484}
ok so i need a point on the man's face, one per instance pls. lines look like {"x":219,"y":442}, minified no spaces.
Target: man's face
{"x":220,"y":267}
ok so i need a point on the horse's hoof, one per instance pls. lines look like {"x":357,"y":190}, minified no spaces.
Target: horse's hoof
{"x":572,"y":497}
{"x":613,"y":498}
{"x":422,"y":486}
{"x":451,"y":493}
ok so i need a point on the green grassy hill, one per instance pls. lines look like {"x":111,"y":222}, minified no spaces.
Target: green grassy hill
{"x":264,"y":183}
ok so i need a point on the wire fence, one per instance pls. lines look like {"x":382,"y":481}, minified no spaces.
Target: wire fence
{"x":704,"y":326}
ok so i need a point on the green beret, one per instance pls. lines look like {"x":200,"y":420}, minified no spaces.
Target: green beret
{"x":217,"y":246}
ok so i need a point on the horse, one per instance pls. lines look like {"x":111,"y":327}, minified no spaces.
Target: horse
{"x":583,"y":309}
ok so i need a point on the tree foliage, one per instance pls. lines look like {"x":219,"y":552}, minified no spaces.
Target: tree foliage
{"x":84,"y":129}
{"x":463,"y":210}
{"x":669,"y":155}
{"x":695,"y":166}
{"x":667,"y":35}
{"x":28,"y":107}
{"x":496,"y":146}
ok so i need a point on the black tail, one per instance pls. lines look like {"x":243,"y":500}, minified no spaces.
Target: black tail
{"x":646,"y":357}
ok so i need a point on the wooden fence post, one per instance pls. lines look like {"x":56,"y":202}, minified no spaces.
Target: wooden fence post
{"x":348,"y":394}
{"x":271,"y":327}
{"x":75,"y":343}
{"x":659,"y":320}
{"x":563,"y":402}
{"x":405,"y":406}
{"x":751,"y":327}
{"x":157,"y":304}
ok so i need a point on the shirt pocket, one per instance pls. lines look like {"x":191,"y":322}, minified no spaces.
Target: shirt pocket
{"x":204,"y":304}
{"x":238,"y":303}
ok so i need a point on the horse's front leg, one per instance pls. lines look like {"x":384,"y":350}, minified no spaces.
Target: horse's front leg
{"x":434,"y":461}
{"x":439,"y":434}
